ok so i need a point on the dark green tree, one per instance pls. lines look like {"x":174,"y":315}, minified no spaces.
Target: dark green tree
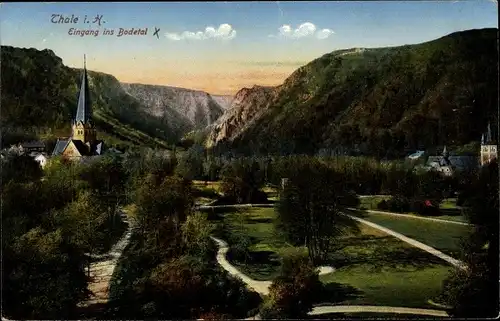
{"x":294,"y":291}
{"x":310,"y":210}
{"x":242,"y":180}
{"x":473,"y":291}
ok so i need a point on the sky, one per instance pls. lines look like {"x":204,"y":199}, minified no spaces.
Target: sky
{"x":221,"y":47}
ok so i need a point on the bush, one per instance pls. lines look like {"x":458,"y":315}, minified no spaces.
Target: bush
{"x":239,"y":248}
{"x":293,"y":293}
{"x":383,"y":205}
{"x":399,"y":204}
{"x":424,"y":207}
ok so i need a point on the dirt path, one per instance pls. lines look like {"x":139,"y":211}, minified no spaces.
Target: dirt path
{"x":102,"y":269}
{"x":411,"y":216}
{"x":412,"y":242}
{"x":377,"y":309}
{"x":262,"y":287}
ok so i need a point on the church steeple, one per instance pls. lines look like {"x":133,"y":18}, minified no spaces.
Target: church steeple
{"x":83,"y":128}
{"x":445,"y":152}
{"x":84,"y":110}
{"x":488,"y":134}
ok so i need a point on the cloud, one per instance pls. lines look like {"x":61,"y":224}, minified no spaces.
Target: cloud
{"x":307,"y":29}
{"x":324,"y":33}
{"x":225,"y":32}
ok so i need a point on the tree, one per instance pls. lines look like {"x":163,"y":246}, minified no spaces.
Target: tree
{"x":293,"y":292}
{"x":190,"y":164}
{"x":43,"y":277}
{"x":310,"y":209}
{"x":242,"y":180}
{"x":473,"y":292}
{"x":196,"y":231}
{"x":162,"y":208}
{"x":21,"y":168}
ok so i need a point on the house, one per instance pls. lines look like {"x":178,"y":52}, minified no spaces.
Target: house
{"x":42,"y":159}
{"x":416,"y":155}
{"x":28,"y":147}
{"x":448,"y":165}
{"x":83,"y":141}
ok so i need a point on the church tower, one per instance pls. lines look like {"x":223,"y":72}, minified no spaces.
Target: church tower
{"x":488,"y":148}
{"x":83,"y":127}
{"x":83,"y":141}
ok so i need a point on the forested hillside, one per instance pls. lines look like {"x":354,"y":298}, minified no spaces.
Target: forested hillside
{"x":39,"y":97}
{"x":382,"y":102}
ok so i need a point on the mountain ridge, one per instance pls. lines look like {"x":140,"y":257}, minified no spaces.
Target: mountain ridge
{"x":442,"y":91}
{"x":39,"y":96}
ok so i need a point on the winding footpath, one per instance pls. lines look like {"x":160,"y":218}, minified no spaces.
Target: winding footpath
{"x":262,"y":287}
{"x":412,"y":242}
{"x":102,"y":269}
{"x":412,"y":216}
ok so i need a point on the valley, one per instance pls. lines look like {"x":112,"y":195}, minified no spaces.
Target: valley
{"x":364,"y":185}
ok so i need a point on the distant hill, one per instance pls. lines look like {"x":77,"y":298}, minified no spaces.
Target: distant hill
{"x":373,"y":101}
{"x":39,"y":96}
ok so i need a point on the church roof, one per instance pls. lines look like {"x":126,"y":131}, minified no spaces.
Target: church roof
{"x":60,"y":146}
{"x":81,"y":147}
{"x":84,"y":111}
{"x":459,"y":162}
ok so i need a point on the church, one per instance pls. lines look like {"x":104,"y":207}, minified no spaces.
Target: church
{"x":488,"y":148}
{"x":83,"y":141}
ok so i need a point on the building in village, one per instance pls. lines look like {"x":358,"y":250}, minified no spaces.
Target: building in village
{"x":83,"y":142}
{"x":32,"y":147}
{"x":41,"y":159}
{"x":35,"y":149}
{"x":488,"y":148}
{"x":447,"y":164}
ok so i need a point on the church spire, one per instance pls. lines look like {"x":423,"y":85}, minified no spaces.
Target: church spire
{"x":84,"y":111}
{"x":488,"y":135}
{"x":445,"y":152}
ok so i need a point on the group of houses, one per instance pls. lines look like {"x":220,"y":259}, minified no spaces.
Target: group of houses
{"x":83,"y":144}
{"x":35,"y":149}
{"x":447,"y":164}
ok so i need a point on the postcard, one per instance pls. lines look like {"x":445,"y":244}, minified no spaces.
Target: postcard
{"x":249,"y":160}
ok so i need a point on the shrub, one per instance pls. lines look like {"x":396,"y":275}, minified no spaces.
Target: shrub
{"x":239,"y":249}
{"x":383,"y":205}
{"x":293,"y":293}
{"x":424,"y":207}
{"x":399,"y":204}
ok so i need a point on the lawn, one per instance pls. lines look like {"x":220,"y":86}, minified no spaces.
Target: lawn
{"x":206,"y":192}
{"x":370,"y":202}
{"x":440,"y":235}
{"x":256,"y":225}
{"x":271,"y":191}
{"x":372,"y":267}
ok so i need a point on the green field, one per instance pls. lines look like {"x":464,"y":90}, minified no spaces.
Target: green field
{"x":440,"y":235}
{"x":372,"y":267}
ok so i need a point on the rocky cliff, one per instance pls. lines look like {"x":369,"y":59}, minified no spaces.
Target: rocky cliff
{"x":183,"y":109}
{"x":247,"y":104}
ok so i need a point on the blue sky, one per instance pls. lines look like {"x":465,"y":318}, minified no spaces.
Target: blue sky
{"x":249,"y":43}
